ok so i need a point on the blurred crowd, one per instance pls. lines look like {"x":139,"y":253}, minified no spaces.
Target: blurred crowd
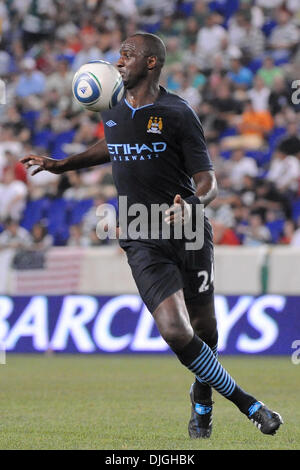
{"x":237,"y":63}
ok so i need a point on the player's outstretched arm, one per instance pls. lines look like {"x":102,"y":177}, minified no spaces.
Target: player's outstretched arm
{"x":97,"y":154}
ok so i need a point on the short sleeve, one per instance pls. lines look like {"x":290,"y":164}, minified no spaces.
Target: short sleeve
{"x":192,"y":141}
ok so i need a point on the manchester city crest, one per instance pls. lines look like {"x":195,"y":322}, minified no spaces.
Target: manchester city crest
{"x":155,"y":125}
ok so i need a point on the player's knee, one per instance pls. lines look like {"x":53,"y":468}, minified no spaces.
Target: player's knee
{"x":173,"y":322}
{"x":176,"y":336}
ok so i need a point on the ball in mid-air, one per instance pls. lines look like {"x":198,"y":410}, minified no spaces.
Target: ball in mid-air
{"x":97,"y":86}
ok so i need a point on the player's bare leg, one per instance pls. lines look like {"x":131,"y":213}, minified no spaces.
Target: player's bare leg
{"x":173,"y":322}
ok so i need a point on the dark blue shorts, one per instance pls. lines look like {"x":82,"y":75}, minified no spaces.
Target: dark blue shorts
{"x":162,"y":267}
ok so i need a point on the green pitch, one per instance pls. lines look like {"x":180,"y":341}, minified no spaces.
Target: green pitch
{"x":105,"y":402}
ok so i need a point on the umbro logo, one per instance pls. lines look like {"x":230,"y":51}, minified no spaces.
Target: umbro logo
{"x":111,"y":123}
{"x":83,"y":90}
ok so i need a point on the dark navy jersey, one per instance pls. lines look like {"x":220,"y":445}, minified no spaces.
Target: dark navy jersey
{"x":155,"y":149}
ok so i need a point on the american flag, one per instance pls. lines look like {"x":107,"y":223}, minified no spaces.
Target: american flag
{"x":59,"y":274}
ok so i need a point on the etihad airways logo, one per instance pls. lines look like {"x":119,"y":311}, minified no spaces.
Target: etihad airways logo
{"x":129,"y":152}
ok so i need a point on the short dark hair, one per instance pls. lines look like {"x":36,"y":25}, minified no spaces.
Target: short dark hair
{"x":154,"y":46}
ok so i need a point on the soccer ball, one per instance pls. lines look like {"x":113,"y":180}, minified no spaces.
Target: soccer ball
{"x":97,"y":86}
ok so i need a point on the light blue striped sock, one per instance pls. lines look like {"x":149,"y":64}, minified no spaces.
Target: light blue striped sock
{"x":215,"y":353}
{"x":208,"y":369}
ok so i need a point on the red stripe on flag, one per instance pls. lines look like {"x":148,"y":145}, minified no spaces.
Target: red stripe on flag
{"x":61,"y":273}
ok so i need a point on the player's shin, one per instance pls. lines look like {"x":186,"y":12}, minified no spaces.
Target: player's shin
{"x":202,"y":390}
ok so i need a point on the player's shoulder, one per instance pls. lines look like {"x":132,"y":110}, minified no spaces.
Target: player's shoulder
{"x":169,"y":98}
{"x":175,"y":103}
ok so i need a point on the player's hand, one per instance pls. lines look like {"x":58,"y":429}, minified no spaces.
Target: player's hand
{"x":180,"y":212}
{"x":42,"y":163}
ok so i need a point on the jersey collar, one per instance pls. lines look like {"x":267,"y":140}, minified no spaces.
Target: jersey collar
{"x":134,"y":110}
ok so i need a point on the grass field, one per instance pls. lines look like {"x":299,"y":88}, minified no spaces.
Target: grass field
{"x":127,"y":403}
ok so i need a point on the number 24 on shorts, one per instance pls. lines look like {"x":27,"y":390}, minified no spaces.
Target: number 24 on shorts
{"x":204,"y":286}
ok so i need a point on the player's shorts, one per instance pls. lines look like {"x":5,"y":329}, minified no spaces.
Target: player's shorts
{"x":162,"y":267}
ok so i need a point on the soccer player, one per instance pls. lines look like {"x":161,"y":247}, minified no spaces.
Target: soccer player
{"x":158,"y":153}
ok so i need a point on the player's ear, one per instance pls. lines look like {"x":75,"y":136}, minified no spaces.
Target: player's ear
{"x":152,"y":62}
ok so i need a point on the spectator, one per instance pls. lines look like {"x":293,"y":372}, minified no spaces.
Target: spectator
{"x":284,"y":172}
{"x":18,"y":169}
{"x":14,"y":236}
{"x":256,"y":233}
{"x":93,"y":219}
{"x":189,"y":93}
{"x":13,"y":195}
{"x":89,"y":51}
{"x":5,"y":65}
{"x":255,"y":123}
{"x":8,"y":142}
{"x":76,"y":190}
{"x":31,"y":81}
{"x":219,"y":163}
{"x":61,"y":79}
{"x":77,"y":238}
{"x":279,"y":98}
{"x":223,"y":235}
{"x":221,"y":208}
{"x":39,"y":20}
{"x":259,"y":95}
{"x":239,"y":75}
{"x":290,"y":143}
{"x":17,"y":125}
{"x":226,"y":105}
{"x":211,"y":40}
{"x":248,"y":38}
{"x":190,"y":32}
{"x":268,"y":72}
{"x":174,"y":52}
{"x":125,"y":8}
{"x":41,"y":240}
{"x":247,"y":191}
{"x":241,"y":166}
{"x":268,"y":197}
{"x":254,"y":127}
{"x":288,"y":233}
{"x":285,"y":36}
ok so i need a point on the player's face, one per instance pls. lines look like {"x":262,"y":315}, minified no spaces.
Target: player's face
{"x":133,"y":63}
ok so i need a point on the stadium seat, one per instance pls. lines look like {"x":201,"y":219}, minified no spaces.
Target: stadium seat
{"x":186,"y":8}
{"x":57,"y":216}
{"x":275,"y":136}
{"x":226,"y":154}
{"x":113,"y":202}
{"x":151,"y":27}
{"x":59,"y":141}
{"x":260,"y":156}
{"x":78,"y":210}
{"x":229,"y":132}
{"x":276,"y":228}
{"x":226,"y":8}
{"x":34,"y":212}
{"x":296,"y":209}
{"x":255,"y":65}
{"x":30,"y":118}
{"x":61,"y":235}
{"x":268,"y":27}
{"x":43,"y":138}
